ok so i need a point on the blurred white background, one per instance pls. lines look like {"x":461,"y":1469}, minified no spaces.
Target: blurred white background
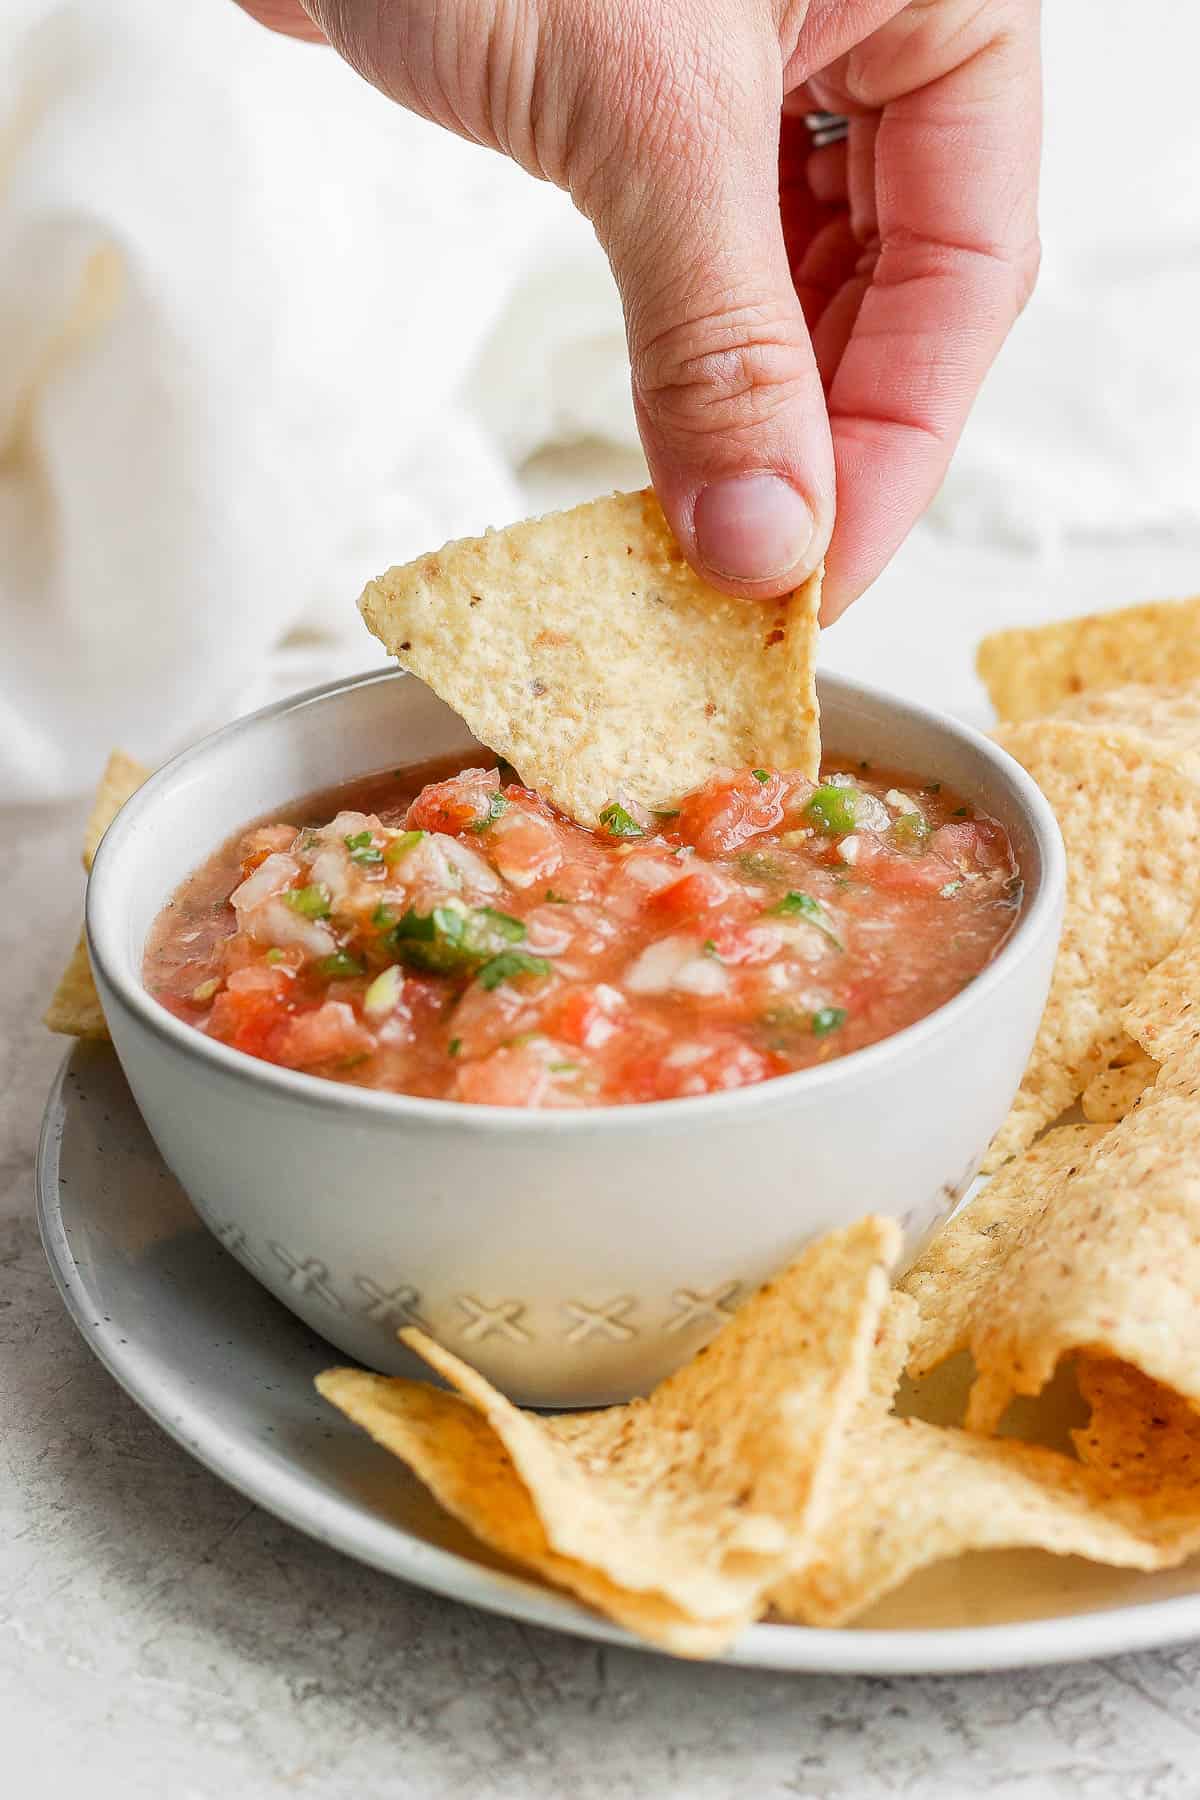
{"x":262,"y":334}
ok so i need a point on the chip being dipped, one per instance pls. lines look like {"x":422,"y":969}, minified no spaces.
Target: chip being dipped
{"x":583,"y":648}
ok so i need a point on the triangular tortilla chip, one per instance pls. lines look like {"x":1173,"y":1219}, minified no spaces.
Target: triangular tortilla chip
{"x":458,"y":1456}
{"x":1090,"y":1242}
{"x":74,"y":1007}
{"x":582,"y":648}
{"x":703,"y":1495}
{"x":912,"y":1494}
{"x":952,"y":1280}
{"x":122,"y":776}
{"x":1131,"y":824}
{"x":1031,"y":671}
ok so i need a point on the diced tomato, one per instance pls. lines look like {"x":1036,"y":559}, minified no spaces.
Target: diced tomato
{"x":456,"y":805}
{"x":485,"y":1017}
{"x":695,"y":1067}
{"x":331,"y":1034}
{"x":729,"y":810}
{"x":246,"y":1017}
{"x":697,"y":893}
{"x":513,"y":1076}
{"x":898,"y":872}
{"x":525,"y":847}
{"x":747,"y":943}
{"x":972,"y":845}
{"x":585,"y":1016}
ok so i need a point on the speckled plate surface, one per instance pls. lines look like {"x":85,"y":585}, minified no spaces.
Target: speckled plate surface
{"x":227,"y":1371}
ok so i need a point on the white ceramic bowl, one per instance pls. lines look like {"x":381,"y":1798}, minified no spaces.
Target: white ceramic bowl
{"x":574,"y":1257}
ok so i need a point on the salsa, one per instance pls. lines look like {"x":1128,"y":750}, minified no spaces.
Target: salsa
{"x":447,"y":933}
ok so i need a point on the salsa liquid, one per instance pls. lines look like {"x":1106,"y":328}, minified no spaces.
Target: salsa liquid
{"x":446,"y":933}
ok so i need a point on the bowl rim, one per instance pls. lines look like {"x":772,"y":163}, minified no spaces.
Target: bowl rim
{"x":115,"y":972}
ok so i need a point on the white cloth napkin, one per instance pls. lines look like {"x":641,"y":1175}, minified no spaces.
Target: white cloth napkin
{"x":262,"y":333}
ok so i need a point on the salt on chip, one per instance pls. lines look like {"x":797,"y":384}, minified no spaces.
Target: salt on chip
{"x":454,"y":1451}
{"x":1131,"y":824}
{"x":74,"y":1008}
{"x":699,"y":1498}
{"x":951,"y":1280}
{"x":583,"y":649}
{"x":1112,"y":1267}
{"x":1031,"y":671}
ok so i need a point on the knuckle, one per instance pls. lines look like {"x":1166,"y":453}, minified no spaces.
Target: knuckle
{"x":725,"y":371}
{"x":1028,"y":267}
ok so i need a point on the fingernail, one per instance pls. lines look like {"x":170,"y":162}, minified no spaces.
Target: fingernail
{"x":752,"y":528}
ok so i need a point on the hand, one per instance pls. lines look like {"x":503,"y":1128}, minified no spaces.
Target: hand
{"x":798,"y":321}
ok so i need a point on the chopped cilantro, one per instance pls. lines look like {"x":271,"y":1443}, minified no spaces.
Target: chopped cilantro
{"x":828,"y":1018}
{"x":709,"y":948}
{"x":274,"y":954}
{"x":832,"y":809}
{"x":555,"y":899}
{"x":497,"y":804}
{"x":666,"y":812}
{"x":508,"y":964}
{"x":619,"y":823}
{"x":453,"y":1047}
{"x":961,"y":812}
{"x":358,"y":841}
{"x":760,"y":774}
{"x":804,"y":906}
{"x":310,"y":902}
{"x":383,"y":918}
{"x":340,"y":965}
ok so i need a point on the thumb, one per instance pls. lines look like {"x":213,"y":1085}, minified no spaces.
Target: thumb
{"x":728,"y":397}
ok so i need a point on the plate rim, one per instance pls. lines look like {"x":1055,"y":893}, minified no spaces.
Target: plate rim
{"x":270,"y":1481}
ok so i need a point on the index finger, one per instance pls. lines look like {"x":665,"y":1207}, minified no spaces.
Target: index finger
{"x":956,"y":167}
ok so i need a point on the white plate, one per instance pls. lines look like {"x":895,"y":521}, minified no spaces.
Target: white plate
{"x":228,"y":1372}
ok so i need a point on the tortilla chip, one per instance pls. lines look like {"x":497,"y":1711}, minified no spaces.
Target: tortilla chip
{"x":458,"y":1456}
{"x":122,"y":777}
{"x":582,"y":648}
{"x":1131,"y":824}
{"x":1117,"y":1089}
{"x":950,"y":1282}
{"x":708,"y":1490}
{"x":913,"y":1494}
{"x":1031,"y":671}
{"x":1146,"y":1440}
{"x":1112,"y":1266}
{"x":1164,"y":1015}
{"x":74,"y":1007}
{"x":689,"y":1505}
